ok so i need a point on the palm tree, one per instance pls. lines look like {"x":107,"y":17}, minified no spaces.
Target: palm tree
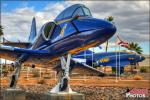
{"x":1,"y":33}
{"x":1,"y":30}
{"x":110,"y":18}
{"x":135,"y":47}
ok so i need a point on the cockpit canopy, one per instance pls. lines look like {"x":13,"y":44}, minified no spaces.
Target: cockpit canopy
{"x":51,"y":30}
{"x":74,"y":10}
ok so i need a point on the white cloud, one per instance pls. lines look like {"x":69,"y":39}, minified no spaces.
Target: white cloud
{"x":131,"y":18}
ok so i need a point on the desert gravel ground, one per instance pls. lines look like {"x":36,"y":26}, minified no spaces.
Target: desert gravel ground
{"x":94,"y":88}
{"x":91,"y":92}
{"x":34,"y":92}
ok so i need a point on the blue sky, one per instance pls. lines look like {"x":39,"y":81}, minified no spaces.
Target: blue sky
{"x":8,"y":6}
{"x":132,"y":22}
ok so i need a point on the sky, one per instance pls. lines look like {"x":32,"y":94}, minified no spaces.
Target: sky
{"x":131,"y":18}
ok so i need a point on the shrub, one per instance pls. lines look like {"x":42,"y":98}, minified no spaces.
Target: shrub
{"x":41,"y":81}
{"x":143,"y":70}
{"x":113,"y":69}
{"x":137,"y":77}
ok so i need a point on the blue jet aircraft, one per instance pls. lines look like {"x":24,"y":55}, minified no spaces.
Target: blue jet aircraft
{"x":109,"y":59}
{"x":72,"y":31}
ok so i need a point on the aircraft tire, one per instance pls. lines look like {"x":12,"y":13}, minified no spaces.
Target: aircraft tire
{"x":64,"y":85}
{"x":12,"y":81}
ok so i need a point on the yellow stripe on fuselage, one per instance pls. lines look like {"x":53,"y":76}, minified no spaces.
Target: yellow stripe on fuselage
{"x":77,"y":50}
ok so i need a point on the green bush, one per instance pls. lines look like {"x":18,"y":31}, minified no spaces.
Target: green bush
{"x":36,"y":73}
{"x":113,"y":70}
{"x":143,"y":70}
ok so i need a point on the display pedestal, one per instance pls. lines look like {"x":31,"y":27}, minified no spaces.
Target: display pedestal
{"x":14,"y":94}
{"x":63,"y":96}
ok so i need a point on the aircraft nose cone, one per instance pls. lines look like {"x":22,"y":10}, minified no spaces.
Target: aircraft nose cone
{"x":111,"y":28}
{"x":142,"y":58}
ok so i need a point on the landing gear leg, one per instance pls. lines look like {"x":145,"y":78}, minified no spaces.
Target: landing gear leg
{"x":12,"y":92}
{"x":63,"y":85}
{"x":15,"y":75}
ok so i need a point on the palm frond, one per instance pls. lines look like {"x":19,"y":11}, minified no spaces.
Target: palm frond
{"x":135,"y":47}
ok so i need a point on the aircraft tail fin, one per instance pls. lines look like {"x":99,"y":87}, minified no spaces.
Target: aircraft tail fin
{"x":33,"y":31}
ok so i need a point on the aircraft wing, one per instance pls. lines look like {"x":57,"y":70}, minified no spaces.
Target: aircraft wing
{"x":16,"y":44}
{"x":12,"y":53}
{"x":9,"y":55}
{"x":22,"y":50}
{"x":82,"y":68}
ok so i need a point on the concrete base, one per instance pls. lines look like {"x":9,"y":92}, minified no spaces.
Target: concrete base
{"x":63,"y":96}
{"x":14,"y":94}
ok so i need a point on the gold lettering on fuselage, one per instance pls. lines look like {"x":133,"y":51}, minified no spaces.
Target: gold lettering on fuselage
{"x":104,"y":60}
{"x":63,"y":30}
{"x":77,"y":50}
{"x":131,"y":58}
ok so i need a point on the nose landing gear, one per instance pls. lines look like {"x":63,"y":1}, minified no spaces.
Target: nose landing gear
{"x":63,"y":81}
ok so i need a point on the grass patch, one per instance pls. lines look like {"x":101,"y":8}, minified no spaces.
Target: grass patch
{"x":143,"y":70}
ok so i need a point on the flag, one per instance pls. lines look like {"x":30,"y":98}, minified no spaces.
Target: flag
{"x":122,"y":43}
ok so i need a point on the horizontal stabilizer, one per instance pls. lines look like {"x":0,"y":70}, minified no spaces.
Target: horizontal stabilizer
{"x":87,"y":67}
{"x":17,"y":44}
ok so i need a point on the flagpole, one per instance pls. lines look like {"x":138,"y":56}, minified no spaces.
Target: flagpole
{"x":119,"y":62}
{"x":106,"y":46}
{"x":124,"y":44}
{"x":116,"y":63}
